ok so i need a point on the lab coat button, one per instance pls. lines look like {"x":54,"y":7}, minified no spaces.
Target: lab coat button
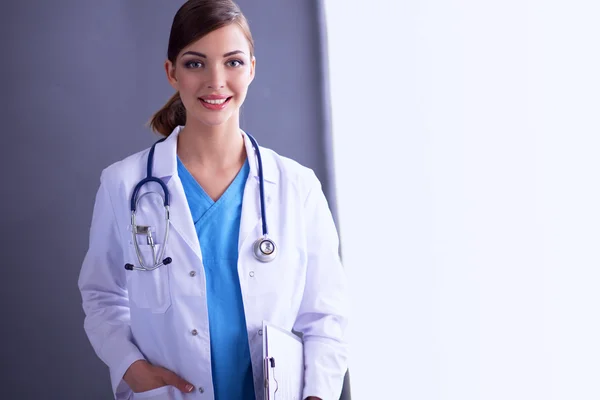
{"x":194,"y":332}
{"x":201,"y":389}
{"x":251,"y":274}
{"x":192,"y":273}
{"x":260,"y":332}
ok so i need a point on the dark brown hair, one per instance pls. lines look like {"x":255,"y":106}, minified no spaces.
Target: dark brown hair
{"x":195,"y":19}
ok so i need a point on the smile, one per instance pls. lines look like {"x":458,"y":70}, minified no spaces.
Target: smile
{"x":215,"y":104}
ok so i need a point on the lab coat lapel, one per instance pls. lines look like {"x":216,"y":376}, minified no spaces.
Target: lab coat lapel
{"x":250,"y":210}
{"x":165,"y":167}
{"x":181,"y":216}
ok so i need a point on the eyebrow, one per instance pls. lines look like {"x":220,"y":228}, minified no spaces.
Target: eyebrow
{"x":195,"y":53}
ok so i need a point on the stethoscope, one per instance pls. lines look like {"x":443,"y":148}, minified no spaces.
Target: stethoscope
{"x":264,"y":248}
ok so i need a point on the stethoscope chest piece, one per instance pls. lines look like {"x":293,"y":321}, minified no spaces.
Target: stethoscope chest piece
{"x":265,"y":249}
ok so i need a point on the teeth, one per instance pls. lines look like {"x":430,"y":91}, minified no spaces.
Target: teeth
{"x":215,"y":101}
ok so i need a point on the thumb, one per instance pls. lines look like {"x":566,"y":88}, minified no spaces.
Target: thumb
{"x":171,"y":379}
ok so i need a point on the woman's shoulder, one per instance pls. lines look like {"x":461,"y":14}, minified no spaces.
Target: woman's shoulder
{"x":287,"y":171}
{"x":129,"y":168}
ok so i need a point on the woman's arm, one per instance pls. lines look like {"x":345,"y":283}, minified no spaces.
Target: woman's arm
{"x":102,"y":283}
{"x":323,"y":314}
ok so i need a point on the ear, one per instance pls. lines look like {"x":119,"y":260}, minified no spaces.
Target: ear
{"x":252,"y":69}
{"x":170,"y":70}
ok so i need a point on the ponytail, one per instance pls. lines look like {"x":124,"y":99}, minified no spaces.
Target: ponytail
{"x":171,"y":115}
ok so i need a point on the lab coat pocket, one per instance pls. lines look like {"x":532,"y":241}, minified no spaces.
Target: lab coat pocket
{"x":161,"y":393}
{"x":149,"y":289}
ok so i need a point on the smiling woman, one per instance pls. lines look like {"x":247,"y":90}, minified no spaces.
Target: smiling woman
{"x":203,"y":76}
{"x":191,"y":62}
{"x":194,"y":324}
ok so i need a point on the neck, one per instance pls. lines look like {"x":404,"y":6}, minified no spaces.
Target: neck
{"x":211,"y":147}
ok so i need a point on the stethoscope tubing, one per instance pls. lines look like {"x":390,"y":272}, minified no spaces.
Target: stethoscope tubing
{"x":258,"y":248}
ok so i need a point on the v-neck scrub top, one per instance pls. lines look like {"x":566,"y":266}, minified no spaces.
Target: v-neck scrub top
{"x":217,"y":225}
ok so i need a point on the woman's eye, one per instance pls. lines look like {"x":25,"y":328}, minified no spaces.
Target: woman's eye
{"x":235,"y":63}
{"x":193,"y":64}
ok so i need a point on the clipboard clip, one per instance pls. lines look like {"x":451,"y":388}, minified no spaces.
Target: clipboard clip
{"x":269,"y":367}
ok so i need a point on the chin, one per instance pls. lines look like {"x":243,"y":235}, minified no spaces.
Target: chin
{"x":214,"y":120}
{"x":210,"y":118}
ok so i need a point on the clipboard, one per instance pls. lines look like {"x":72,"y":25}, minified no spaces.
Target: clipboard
{"x":283,"y":364}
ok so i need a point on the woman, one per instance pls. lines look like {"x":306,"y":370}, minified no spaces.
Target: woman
{"x":184,"y":318}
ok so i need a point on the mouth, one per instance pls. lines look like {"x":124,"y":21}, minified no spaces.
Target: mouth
{"x":215,"y":104}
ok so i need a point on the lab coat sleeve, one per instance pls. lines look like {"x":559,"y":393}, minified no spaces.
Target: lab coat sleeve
{"x":102,"y":283}
{"x":323,"y":313}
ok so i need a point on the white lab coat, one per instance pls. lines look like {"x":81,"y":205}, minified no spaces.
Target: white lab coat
{"x":162,"y":316}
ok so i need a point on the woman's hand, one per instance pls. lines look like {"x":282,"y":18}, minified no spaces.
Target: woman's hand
{"x":141,"y":376}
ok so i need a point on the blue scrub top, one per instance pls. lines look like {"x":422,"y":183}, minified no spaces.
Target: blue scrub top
{"x":218,"y":225}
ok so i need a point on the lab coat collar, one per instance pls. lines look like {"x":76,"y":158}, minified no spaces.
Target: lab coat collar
{"x":165,"y":168}
{"x":165,"y":158}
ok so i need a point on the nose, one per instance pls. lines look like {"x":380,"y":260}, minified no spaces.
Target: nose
{"x":216,"y":79}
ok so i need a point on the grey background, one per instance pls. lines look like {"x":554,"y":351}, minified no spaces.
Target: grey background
{"x":79,"y":81}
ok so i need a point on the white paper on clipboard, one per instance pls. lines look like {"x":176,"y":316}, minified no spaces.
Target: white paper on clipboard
{"x":283,"y":364}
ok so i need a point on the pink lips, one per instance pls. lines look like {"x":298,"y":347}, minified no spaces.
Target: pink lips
{"x":215,"y":102}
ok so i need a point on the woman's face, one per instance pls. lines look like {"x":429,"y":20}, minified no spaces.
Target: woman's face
{"x":212,"y":76}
